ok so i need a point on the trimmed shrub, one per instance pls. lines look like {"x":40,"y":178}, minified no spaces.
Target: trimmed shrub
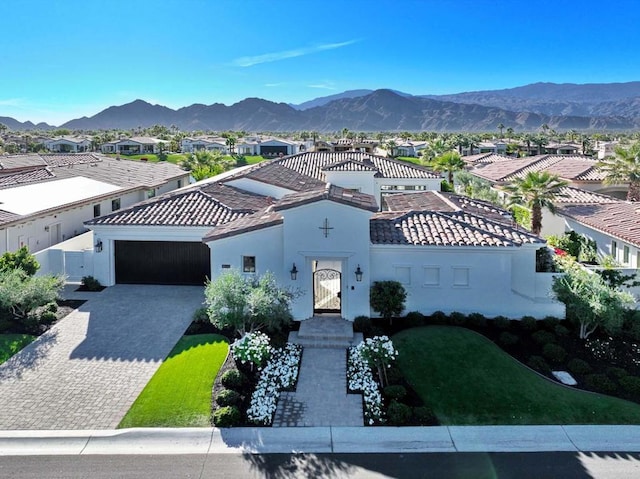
{"x":387,"y":298}
{"x":457,"y":319}
{"x":539,"y":364}
{"x":47,"y":317}
{"x":90,"y":283}
{"x":600,"y":383}
{"x":501,"y":322}
{"x":437,"y":317}
{"x":227,"y":416}
{"x":508,"y":339}
{"x":634,"y":328}
{"x":398,"y":413}
{"x":200,"y":315}
{"x":228,"y":397}
{"x":616,"y":373}
{"x":395,"y":392}
{"x":554,"y":352}
{"x":560,"y":330}
{"x":233,"y":379}
{"x":477,"y":320}
{"x":424,"y":415}
{"x":551,"y":322}
{"x":362,"y":324}
{"x":579,"y":366}
{"x":414,"y":319}
{"x":631,"y":384}
{"x":543,"y":337}
{"x":529,"y":323}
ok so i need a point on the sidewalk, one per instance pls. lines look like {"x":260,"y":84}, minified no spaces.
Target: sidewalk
{"x":323,"y":440}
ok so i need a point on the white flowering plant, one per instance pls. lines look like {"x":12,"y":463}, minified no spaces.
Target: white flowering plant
{"x":252,"y":348}
{"x":379,"y":352}
{"x":360,"y":379}
{"x":280,"y":373}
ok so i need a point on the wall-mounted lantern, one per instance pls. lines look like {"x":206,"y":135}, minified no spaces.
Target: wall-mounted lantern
{"x":358,"y":274}
{"x":294,"y":272}
{"x":98,"y":246}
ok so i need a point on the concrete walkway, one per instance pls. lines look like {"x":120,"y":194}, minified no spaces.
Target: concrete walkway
{"x":321,"y":398}
{"x":87,"y":370}
{"x":324,"y":440}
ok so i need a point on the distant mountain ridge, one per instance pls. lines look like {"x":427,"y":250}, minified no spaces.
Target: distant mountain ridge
{"x":612,"y":106}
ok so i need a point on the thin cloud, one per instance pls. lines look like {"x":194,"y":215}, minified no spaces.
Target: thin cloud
{"x":323,"y":85}
{"x":270,"y":85}
{"x":298,"y":52}
{"x":12,"y":102}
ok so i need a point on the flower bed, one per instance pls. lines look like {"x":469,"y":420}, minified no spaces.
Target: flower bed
{"x":280,"y":373}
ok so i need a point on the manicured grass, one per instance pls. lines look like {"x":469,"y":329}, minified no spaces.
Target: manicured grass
{"x":252,"y":160}
{"x":467,"y":380}
{"x":410,"y":159}
{"x":10,"y":344}
{"x":179,"y":393}
{"x":152,"y":158}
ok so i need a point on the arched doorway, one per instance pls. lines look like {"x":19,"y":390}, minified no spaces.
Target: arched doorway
{"x":327,"y":285}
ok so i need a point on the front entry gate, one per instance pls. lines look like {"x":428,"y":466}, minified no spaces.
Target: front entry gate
{"x":326,"y":291}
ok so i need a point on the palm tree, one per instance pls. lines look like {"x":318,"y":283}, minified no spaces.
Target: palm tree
{"x":622,"y":168}
{"x":540,"y":141}
{"x":500,"y":127}
{"x":448,"y":162}
{"x":391,"y":146}
{"x":535,"y":191}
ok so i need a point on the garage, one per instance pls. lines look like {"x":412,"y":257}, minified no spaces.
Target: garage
{"x":162,"y":262}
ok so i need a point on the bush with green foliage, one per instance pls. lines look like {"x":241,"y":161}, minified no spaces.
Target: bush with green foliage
{"x":579,"y":366}
{"x":227,"y":416}
{"x":20,"y":259}
{"x":398,"y":413}
{"x":554,"y":352}
{"x":394,"y":375}
{"x":90,"y":283}
{"x":600,"y":383}
{"x":477,"y":320}
{"x":577,"y":245}
{"x":539,"y":364}
{"x":631,"y":384}
{"x":529,"y":323}
{"x":617,"y":373}
{"x":543,"y":337}
{"x":457,"y":319}
{"x":247,"y":304}
{"x":387,"y":298}
{"x":561,"y":330}
{"x":508,"y":339}
{"x":501,"y":322}
{"x":228,"y":397}
{"x":550,"y":323}
{"x":437,"y":317}
{"x":253,"y":348}
{"x":21,"y":294}
{"x":395,"y":392}
{"x":233,"y":379}
{"x":362,"y":324}
{"x":414,"y":319}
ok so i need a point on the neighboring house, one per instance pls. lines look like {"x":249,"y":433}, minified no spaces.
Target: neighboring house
{"x":314,"y":221}
{"x":580,"y":171}
{"x":606,"y":149}
{"x":275,"y":147}
{"x":561,"y":149}
{"x":44,"y":199}
{"x":138,"y":145}
{"x":346,"y":144}
{"x":68,"y":144}
{"x":208,"y":143}
{"x":410,"y":148}
{"x":248,"y":147}
{"x":484,"y":147}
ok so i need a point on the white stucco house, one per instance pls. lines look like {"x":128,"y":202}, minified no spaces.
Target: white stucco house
{"x":138,"y":145}
{"x":44,"y":199}
{"x":68,"y":144}
{"x":329,"y":224}
{"x":208,"y":143}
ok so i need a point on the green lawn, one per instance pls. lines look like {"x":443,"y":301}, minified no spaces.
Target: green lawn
{"x":10,"y":344}
{"x":179,"y":393}
{"x":410,"y":159}
{"x":172,"y":158}
{"x":252,"y":160}
{"x":467,"y":380}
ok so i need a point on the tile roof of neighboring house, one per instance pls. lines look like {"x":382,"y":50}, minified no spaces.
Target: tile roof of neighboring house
{"x":256,"y":221}
{"x":56,"y":160}
{"x":311,"y":164}
{"x":143,"y":139}
{"x":350,"y":165}
{"x":330,"y":192}
{"x":210,"y":205}
{"x":482,"y":158}
{"x":570,"y":195}
{"x":6,"y":217}
{"x":620,"y":219}
{"x":23,"y":177}
{"x":569,"y":167}
{"x":11,"y":162}
{"x":276,"y":174}
{"x":431,"y":228}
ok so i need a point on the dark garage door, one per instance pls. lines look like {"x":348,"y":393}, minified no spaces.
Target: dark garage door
{"x":162,"y":262}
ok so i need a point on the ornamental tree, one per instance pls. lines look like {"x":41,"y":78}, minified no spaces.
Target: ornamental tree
{"x":387,"y":298}
{"x":20,"y":259}
{"x":20,"y":293}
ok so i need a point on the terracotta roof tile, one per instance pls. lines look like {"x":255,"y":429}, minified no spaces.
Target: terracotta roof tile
{"x":259,"y":220}
{"x":277,"y":174}
{"x":570,"y":195}
{"x":330,"y":192}
{"x":25,"y":177}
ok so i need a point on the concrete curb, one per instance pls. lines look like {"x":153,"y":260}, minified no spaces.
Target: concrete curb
{"x":152,"y":441}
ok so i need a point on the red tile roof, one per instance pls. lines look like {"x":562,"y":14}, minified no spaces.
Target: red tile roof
{"x":330,"y":192}
{"x":569,"y":167}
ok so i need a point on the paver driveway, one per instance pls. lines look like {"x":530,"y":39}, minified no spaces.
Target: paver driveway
{"x":88,"y":369}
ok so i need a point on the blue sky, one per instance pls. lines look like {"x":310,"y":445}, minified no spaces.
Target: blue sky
{"x":64,"y":59}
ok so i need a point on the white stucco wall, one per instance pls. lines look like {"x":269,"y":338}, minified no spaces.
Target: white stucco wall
{"x":464,"y":279}
{"x":362,"y":181}
{"x":604,"y":244}
{"x":259,"y":188}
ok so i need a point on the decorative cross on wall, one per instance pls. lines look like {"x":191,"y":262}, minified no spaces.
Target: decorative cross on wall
{"x":325,"y":227}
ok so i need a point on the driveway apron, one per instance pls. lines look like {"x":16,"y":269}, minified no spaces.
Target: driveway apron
{"x":87,"y":370}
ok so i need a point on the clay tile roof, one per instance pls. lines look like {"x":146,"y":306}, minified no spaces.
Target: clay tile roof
{"x":25,"y":177}
{"x":6,"y":217}
{"x":350,"y":165}
{"x":256,"y":221}
{"x":570,"y":195}
{"x":276,"y":174}
{"x":427,"y":200}
{"x":60,"y":160}
{"x":211,"y":205}
{"x":11,"y":162}
{"x":332,"y":193}
{"x":430,"y":228}
{"x":619,"y":219}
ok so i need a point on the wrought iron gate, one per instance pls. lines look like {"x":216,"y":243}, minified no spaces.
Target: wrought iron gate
{"x":326,"y":291}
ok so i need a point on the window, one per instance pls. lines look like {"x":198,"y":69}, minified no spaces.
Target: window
{"x":248,"y":264}
{"x":625,"y":254}
{"x":460,"y":276}
{"x":614,"y":249}
{"x":96,"y":211}
{"x":179,"y":183}
{"x":431,"y":276}
{"x":115,"y":204}
{"x":151,"y":193}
